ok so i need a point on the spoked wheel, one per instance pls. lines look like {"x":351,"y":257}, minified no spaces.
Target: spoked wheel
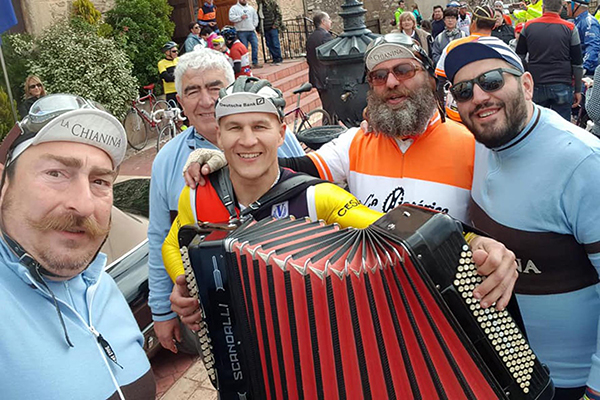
{"x":316,"y":117}
{"x":166,"y":133}
{"x":137,"y":133}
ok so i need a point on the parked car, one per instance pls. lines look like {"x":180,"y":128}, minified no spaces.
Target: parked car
{"x":127,"y":250}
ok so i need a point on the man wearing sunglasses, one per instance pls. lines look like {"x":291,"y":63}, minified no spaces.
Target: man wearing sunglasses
{"x":536,"y":189}
{"x":166,"y":69}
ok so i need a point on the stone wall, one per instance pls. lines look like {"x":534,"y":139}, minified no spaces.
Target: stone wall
{"x":40,"y":14}
{"x":376,"y":9}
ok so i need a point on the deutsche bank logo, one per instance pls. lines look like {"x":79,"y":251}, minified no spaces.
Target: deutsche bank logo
{"x":260,"y":101}
{"x":280,"y":210}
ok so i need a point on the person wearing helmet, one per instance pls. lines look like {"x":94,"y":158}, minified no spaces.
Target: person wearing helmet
{"x":166,"y":69}
{"x":250,"y":116}
{"x":199,"y":76}
{"x":589,"y":33}
{"x":67,"y":327}
{"x":237,"y":52}
{"x":411,"y":154}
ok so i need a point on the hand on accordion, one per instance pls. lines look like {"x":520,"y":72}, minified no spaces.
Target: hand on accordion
{"x":499,"y":265}
{"x":188,"y":308}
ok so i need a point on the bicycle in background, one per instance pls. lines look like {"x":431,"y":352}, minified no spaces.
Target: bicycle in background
{"x":139,"y":122}
{"x":170,"y":118}
{"x":316,"y":117}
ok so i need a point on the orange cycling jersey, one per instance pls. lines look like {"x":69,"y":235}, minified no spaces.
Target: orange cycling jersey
{"x":433,"y":170}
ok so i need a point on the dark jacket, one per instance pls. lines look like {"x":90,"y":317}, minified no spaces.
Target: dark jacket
{"x":26,"y":105}
{"x":271,"y":15}
{"x":316,"y":69}
{"x":504,"y":32}
{"x":554,"y":50}
{"x":437,"y":27}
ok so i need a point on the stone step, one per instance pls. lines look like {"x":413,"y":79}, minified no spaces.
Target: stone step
{"x":275,"y":73}
{"x":291,"y":82}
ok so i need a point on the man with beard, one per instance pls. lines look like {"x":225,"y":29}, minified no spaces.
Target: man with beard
{"x":67,"y":330}
{"x":412,"y":155}
{"x":536,"y":188}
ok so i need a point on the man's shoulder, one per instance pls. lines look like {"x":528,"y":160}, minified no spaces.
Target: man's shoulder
{"x":455,"y":130}
{"x":174,"y":149}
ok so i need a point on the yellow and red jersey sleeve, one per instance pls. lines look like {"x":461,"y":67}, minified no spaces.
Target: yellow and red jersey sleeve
{"x":170,"y":249}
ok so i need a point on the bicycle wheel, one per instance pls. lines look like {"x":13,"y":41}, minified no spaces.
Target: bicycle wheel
{"x":137,"y":133}
{"x":167,"y":133}
{"x":316,"y":117}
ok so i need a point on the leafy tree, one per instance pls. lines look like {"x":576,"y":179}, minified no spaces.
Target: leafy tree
{"x":86,"y":10}
{"x":71,"y":58}
{"x":6,"y":116}
{"x":142,"y":27}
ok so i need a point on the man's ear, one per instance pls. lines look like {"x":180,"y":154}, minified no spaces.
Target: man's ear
{"x":282,"y":132}
{"x":527,"y":84}
{"x":219,"y":137}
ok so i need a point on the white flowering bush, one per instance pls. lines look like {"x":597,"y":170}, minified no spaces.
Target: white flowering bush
{"x":73,"y":58}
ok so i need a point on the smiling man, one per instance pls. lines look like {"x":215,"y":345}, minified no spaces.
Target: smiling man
{"x":536,"y":188}
{"x":198,"y":78}
{"x":67,"y":331}
{"x":250,"y":117}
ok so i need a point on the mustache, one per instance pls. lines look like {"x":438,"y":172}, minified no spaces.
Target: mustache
{"x":69,"y":222}
{"x":479,"y":107}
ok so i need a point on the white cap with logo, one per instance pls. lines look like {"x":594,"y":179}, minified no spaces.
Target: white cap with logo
{"x":69,"y":118}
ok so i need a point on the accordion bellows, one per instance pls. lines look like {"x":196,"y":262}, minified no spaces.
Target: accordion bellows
{"x":298,"y":310}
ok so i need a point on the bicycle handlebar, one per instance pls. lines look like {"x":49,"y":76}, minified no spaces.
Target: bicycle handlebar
{"x":171,"y":114}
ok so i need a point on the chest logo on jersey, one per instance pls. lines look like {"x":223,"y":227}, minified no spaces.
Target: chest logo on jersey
{"x":280,"y":210}
{"x":396,"y":197}
{"x":529,"y":268}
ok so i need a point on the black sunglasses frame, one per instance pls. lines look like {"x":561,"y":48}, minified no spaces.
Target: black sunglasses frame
{"x":456,"y":89}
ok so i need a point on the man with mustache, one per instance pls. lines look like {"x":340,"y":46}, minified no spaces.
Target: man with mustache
{"x":536,"y":188}
{"x":412,"y":155}
{"x":67,"y":330}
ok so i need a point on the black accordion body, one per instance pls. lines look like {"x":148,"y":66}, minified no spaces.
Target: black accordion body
{"x":295,"y":309}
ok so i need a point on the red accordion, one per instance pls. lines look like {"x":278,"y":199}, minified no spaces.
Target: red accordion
{"x":295,"y":309}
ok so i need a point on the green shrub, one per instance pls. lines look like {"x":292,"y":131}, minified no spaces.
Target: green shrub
{"x":70,"y":58}
{"x":6,"y":117}
{"x":17,"y":50}
{"x":142,"y":27}
{"x":86,"y":10}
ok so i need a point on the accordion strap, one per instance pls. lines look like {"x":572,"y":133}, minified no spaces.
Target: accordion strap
{"x":284,"y":189}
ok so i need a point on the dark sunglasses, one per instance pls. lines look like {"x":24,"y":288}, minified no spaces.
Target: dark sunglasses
{"x":401,"y":72}
{"x":35,"y":85}
{"x":488,"y":82}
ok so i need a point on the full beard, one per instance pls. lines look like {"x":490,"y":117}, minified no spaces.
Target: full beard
{"x":410,"y":118}
{"x":497,"y":135}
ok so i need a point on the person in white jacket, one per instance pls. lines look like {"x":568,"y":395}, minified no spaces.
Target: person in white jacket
{"x":245,"y":21}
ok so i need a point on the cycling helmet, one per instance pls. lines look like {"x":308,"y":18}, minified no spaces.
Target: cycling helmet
{"x":453,"y":4}
{"x":584,"y":2}
{"x":229,"y":33}
{"x":168,"y":46}
{"x":249,"y":94}
{"x":396,"y":45}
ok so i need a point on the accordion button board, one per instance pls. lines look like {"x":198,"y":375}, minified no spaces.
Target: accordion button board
{"x":294,"y":309}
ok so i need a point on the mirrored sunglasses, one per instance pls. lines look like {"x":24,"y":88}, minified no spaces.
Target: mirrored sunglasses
{"x":489,"y":81}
